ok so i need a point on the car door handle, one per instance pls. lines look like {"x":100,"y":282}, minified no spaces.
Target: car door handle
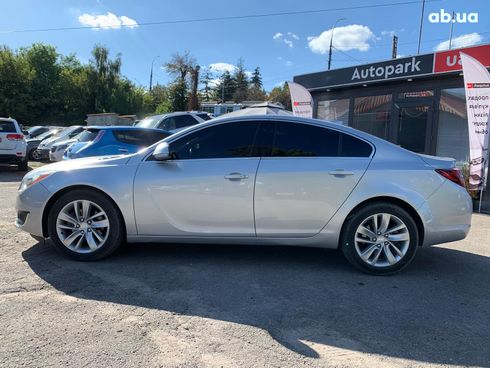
{"x":236,"y":176}
{"x":341,"y":172}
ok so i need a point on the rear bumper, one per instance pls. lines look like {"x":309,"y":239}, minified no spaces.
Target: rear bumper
{"x":446,"y":215}
{"x":11,"y":159}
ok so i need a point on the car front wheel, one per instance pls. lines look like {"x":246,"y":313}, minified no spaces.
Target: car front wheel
{"x":85,"y":225}
{"x":380,"y":239}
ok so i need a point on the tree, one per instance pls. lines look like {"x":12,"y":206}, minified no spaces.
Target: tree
{"x":206,"y":80}
{"x":180,"y":66}
{"x":104,"y":76}
{"x":281,"y":95}
{"x":193,"y":103}
{"x":241,"y":82}
{"x":256,"y":80}
{"x":226,"y":87}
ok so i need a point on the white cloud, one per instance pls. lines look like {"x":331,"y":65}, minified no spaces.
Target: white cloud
{"x":352,"y":37}
{"x":106,"y":21}
{"x":277,"y":36}
{"x":460,"y":41}
{"x":222,"y":67}
{"x":388,"y":33}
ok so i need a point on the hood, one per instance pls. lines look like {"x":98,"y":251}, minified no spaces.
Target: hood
{"x":83,"y":163}
{"x":49,"y":141}
{"x":438,"y":162}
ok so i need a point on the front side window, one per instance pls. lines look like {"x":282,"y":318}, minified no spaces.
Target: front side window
{"x":220,"y":141}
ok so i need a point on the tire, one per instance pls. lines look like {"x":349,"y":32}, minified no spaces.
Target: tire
{"x":22,"y":166}
{"x":86,"y":234}
{"x":387,"y":252}
{"x":31,"y":155}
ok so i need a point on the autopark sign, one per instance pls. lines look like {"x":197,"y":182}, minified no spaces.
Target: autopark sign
{"x":402,"y":68}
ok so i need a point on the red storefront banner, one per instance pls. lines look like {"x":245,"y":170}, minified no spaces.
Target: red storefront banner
{"x":448,"y":61}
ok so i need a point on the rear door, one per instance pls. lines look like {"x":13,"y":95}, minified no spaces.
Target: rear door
{"x":304,"y":177}
{"x":6,"y":128}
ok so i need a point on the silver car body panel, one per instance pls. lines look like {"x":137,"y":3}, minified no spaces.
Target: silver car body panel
{"x":191,"y":201}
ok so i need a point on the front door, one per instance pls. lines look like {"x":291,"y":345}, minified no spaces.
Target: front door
{"x":414,"y":126}
{"x":207,"y":190}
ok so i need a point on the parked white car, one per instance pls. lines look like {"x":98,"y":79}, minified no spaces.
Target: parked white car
{"x":58,"y":149}
{"x":45,"y":146}
{"x":13,"y":144}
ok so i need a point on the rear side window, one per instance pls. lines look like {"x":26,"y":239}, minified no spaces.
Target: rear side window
{"x":220,"y":141}
{"x":7,"y":127}
{"x":302,"y":140}
{"x":139,"y":138}
{"x":177,"y":122}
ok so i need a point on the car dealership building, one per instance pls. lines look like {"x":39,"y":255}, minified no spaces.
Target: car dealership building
{"x":417,"y":102}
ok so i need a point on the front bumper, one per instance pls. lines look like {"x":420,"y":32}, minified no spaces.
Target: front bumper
{"x":30,"y":206}
{"x":56,"y":156}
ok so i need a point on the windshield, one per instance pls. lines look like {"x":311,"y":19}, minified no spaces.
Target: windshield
{"x":49,"y":133}
{"x":149,"y":122}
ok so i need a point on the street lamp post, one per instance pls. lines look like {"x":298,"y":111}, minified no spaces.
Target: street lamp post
{"x":151,"y":71}
{"x":331,"y":41}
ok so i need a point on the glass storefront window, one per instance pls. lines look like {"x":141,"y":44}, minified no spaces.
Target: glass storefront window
{"x":336,"y":111}
{"x":452,"y":132}
{"x":372,"y":114}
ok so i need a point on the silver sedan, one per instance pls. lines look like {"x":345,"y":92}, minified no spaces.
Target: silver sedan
{"x":253,"y":180}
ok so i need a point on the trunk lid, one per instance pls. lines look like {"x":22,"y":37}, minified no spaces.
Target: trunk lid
{"x":438,"y":162}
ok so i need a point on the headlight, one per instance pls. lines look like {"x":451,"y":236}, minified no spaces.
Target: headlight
{"x":32,"y":178}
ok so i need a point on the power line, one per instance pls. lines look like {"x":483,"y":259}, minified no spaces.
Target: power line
{"x":214,"y":19}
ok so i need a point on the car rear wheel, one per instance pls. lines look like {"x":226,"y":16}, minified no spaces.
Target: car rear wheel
{"x":380,"y":239}
{"x":85,"y":225}
{"x":34,"y":155}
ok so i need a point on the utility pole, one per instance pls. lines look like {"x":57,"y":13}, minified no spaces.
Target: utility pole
{"x":394,"y":47}
{"x":421,"y":24}
{"x":151,"y":71}
{"x":451,"y":31}
{"x":331,"y":41}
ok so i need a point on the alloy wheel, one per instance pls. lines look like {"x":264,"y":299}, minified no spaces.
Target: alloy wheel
{"x":82,"y":226}
{"x":382,"y":240}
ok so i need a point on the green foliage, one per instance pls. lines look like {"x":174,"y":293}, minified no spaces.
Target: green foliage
{"x":241,"y":83}
{"x":281,"y":95}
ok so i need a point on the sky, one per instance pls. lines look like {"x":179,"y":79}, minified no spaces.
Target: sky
{"x":282,"y":45}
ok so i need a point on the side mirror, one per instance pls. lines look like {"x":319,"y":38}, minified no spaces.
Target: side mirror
{"x":162,"y":152}
{"x":25,"y":132}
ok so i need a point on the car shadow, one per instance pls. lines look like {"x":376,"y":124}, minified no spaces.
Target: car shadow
{"x":436,"y":311}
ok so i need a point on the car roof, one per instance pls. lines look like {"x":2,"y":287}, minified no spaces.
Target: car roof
{"x":125,"y":127}
{"x":170,"y":114}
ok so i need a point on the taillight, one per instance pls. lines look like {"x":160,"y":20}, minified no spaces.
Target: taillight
{"x":15,"y":137}
{"x":452,"y":174}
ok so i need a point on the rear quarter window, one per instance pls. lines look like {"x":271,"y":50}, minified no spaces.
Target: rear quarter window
{"x":139,"y":138}
{"x":7,"y":127}
{"x":353,"y":147}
